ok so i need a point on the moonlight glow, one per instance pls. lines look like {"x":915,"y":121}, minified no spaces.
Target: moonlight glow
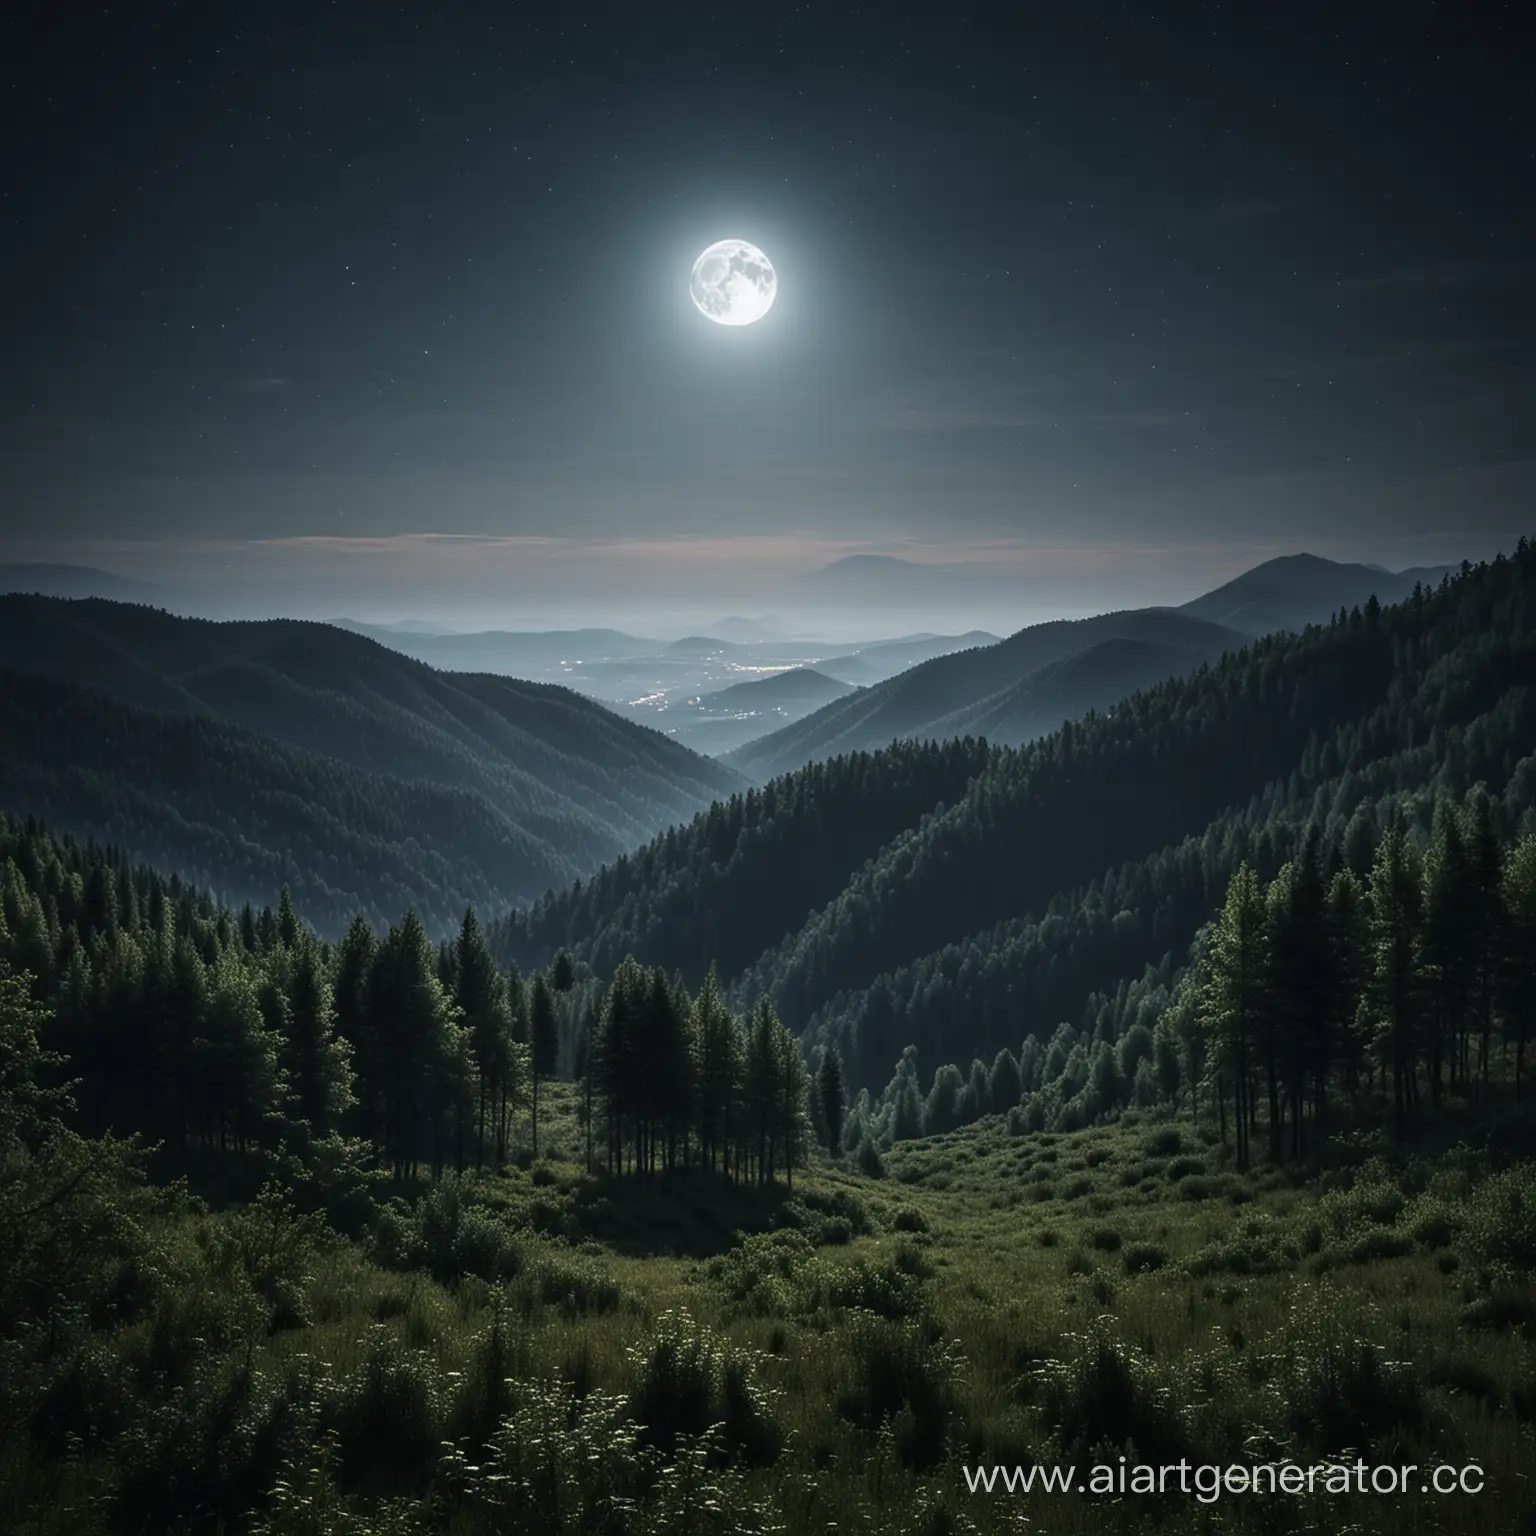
{"x":733,"y":283}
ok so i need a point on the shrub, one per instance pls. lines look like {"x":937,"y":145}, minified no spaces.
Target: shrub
{"x":1375,"y":1243}
{"x":690,"y":1382}
{"x":904,"y":1379}
{"x":870,"y":1163}
{"x":268,"y":1247}
{"x":449,"y":1235}
{"x":1507,"y":1305}
{"x":1106,"y":1392}
{"x":1256,"y":1246}
{"x":892,"y":1289}
{"x":1203,"y":1187}
{"x":1105,"y":1239}
{"x":1501,"y":1220}
{"x":909,"y":1219}
{"x":1335,"y":1389}
{"x":1143,"y":1258}
{"x":764,"y":1274}
{"x":1432,"y":1221}
{"x":386,"y":1416}
{"x":575,"y":1285}
{"x":1469,"y":1377}
{"x":564,"y":1463}
{"x":484,"y":1396}
{"x":1166,"y":1141}
{"x":1371,"y":1199}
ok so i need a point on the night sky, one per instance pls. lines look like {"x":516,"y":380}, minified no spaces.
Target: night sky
{"x":343,"y":302}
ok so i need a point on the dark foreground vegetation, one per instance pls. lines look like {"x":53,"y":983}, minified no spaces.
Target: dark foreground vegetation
{"x":344,"y":1296}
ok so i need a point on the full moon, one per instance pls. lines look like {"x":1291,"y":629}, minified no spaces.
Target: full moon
{"x":733,"y":283}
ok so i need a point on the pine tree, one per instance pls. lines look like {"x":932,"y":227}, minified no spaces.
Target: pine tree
{"x":1233,"y":993}
{"x":316,"y":1060}
{"x":616,"y":1058}
{"x":563,"y":973}
{"x":1350,"y":940}
{"x":761,"y":1089}
{"x":543,"y":1042}
{"x":480,"y":993}
{"x":241,"y":1080}
{"x":1301,"y":966}
{"x":583,"y":1059}
{"x":831,"y":1094}
{"x":1450,"y":948}
{"x":1485,"y":859}
{"x":1396,"y":966}
{"x":351,"y":978}
{"x":517,"y":1061}
{"x":287,"y":921}
{"x":717,"y":1074}
{"x":670,"y":1025}
{"x":415,"y":1025}
{"x":1517,"y":973}
{"x":792,"y":1091}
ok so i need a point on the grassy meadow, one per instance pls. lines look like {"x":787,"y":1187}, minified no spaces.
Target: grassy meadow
{"x":542,"y":1350}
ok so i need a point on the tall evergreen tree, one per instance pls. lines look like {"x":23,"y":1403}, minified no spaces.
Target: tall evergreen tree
{"x":1234,"y":999}
{"x":1517,"y":979}
{"x":1449,"y":949}
{"x":1396,"y":962}
{"x":832,"y":1096}
{"x":1304,"y":968}
{"x":480,"y":992}
{"x":717,"y":1074}
{"x":543,"y":1043}
{"x":1485,"y":859}
{"x":317,"y":1061}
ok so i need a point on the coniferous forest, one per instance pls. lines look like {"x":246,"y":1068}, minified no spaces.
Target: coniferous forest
{"x":1157,"y":1090}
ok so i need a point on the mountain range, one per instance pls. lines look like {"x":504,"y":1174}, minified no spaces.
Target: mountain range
{"x":1014,"y":690}
{"x":250,"y":755}
{"x":302,"y":753}
{"x":955,"y":897}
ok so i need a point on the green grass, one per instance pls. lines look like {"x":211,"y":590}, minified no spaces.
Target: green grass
{"x":993,"y":1297}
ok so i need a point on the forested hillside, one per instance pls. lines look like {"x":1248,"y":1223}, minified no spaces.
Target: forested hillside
{"x":1072,"y":864}
{"x":480,"y":1249}
{"x":247,"y":754}
{"x":947,"y":695}
{"x":1394,"y":952}
{"x":425,"y":1288}
{"x":1445,"y":668}
{"x":738,"y":878}
{"x":207,"y":1029}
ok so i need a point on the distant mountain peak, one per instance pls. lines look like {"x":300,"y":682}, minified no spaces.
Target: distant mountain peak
{"x":854,"y":564}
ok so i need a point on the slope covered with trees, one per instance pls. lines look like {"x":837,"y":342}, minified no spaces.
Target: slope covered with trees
{"x":747,"y":872}
{"x":933,"y":700}
{"x":249,"y":755}
{"x":1039,"y":822}
{"x":1033,"y":877}
{"x":213,"y":1031}
{"x":1390,"y":956}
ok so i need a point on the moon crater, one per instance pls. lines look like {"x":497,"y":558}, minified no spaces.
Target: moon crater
{"x":733,"y":283}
